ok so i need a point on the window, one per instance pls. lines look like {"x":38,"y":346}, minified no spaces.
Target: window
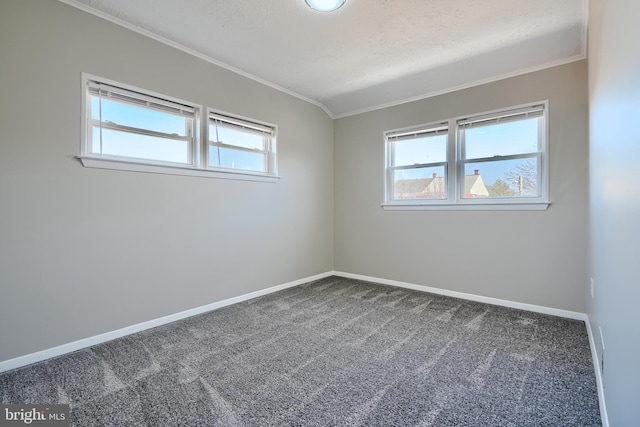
{"x":240,"y":144}
{"x":132,"y":129}
{"x":418,"y":163}
{"x":130,"y":125}
{"x":494,"y":160}
{"x":502,"y":154}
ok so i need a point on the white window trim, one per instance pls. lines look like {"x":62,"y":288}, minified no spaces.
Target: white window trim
{"x":163,"y":169}
{"x":197,"y":168}
{"x":500,"y":206}
{"x":455,"y":173}
{"x":430,"y":128}
{"x":272,"y":157}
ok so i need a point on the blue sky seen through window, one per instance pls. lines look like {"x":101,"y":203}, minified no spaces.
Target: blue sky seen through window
{"x":502,"y":139}
{"x":237,"y":159}
{"x":114,"y":143}
{"x":128,"y":144}
{"x":430,"y":149}
{"x":137,"y":116}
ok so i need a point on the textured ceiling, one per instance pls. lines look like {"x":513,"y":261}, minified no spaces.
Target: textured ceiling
{"x":369,"y":53}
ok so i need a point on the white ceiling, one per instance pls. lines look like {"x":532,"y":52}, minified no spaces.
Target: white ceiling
{"x":369,"y":53}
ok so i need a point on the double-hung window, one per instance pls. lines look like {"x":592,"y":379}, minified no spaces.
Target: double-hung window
{"x":496,"y":160}
{"x":417,"y":160}
{"x":132,"y":129}
{"x":127,"y":125}
{"x":508,"y":148}
{"x":239,"y":144}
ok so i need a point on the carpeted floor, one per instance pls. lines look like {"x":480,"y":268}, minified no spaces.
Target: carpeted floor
{"x":335,"y":352}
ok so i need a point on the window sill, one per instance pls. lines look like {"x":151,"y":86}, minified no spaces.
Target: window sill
{"x":133,"y":166}
{"x":520,"y":206}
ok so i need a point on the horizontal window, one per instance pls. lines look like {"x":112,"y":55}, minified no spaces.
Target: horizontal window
{"x":131,"y":125}
{"x":240,"y":144}
{"x":132,"y":129}
{"x":491,"y":159}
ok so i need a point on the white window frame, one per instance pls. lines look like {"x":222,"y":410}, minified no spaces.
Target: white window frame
{"x":198,"y":149}
{"x":269,"y":132}
{"x":455,"y":166}
{"x":437,"y":128}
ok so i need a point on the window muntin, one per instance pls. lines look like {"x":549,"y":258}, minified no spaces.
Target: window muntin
{"x":502,"y":154}
{"x":131,"y":125}
{"x":417,"y":163}
{"x":240,"y":144}
{"x":489,"y":159}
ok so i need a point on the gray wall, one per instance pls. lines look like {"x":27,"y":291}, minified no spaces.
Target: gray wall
{"x":86,"y":251}
{"x":614,"y":94}
{"x":530,"y":257}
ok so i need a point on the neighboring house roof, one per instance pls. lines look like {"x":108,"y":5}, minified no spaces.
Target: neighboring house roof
{"x":429,"y":187}
{"x":426,"y":188}
{"x":474,"y":186}
{"x":434,"y":188}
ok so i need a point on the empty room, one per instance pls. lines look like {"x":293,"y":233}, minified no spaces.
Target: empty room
{"x":319,"y":213}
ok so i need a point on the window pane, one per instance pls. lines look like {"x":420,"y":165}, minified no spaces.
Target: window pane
{"x":237,"y":159}
{"x":138,"y":117}
{"x":236,"y":136}
{"x":421,"y":183}
{"x":125,"y":144}
{"x":503,"y":139}
{"x":429,"y":149}
{"x":505,"y":178}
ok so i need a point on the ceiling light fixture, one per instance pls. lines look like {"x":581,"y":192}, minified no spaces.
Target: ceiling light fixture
{"x":325,"y":5}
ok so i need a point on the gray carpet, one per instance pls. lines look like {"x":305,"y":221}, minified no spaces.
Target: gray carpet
{"x":335,"y":352}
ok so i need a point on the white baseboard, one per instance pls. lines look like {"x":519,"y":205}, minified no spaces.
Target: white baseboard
{"x":599,"y":382}
{"x":471,"y":297}
{"x":108,"y":336}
